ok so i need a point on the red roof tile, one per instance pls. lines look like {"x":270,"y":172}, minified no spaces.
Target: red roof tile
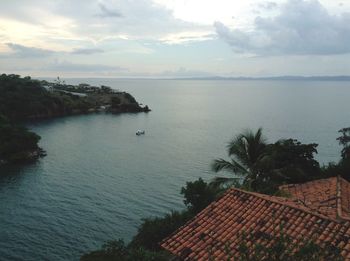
{"x":220,"y":224}
{"x":330,"y":197}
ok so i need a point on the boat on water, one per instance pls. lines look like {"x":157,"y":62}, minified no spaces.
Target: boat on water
{"x":140,"y":132}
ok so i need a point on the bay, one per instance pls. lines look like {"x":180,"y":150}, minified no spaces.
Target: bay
{"x":99,"y":179}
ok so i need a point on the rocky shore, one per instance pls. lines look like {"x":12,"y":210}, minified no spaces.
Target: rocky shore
{"x":25,"y":157}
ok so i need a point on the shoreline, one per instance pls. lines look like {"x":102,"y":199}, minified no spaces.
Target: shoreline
{"x":24,"y":100}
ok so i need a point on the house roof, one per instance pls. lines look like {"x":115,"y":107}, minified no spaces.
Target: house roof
{"x":219,"y":225}
{"x":330,"y":197}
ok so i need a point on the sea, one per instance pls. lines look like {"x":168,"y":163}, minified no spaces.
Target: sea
{"x":99,"y":180}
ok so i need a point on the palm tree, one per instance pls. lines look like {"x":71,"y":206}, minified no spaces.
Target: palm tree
{"x":245,"y":150}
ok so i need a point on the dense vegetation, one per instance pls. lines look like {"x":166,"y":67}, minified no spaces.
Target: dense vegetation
{"x":257,"y":166}
{"x":343,"y":166}
{"x":263,"y":167}
{"x":118,"y":251}
{"x":24,"y":98}
{"x":17,"y":143}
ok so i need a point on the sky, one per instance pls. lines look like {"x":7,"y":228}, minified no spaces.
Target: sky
{"x":174,"y":38}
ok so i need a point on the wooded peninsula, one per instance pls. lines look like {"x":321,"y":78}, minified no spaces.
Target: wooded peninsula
{"x":24,"y":99}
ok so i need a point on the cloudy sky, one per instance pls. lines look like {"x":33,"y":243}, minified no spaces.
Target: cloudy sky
{"x":174,"y":38}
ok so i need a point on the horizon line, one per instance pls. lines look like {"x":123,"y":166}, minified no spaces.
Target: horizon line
{"x":282,"y":77}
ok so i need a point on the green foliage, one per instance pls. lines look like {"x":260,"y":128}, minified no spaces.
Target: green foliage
{"x":286,"y":161}
{"x":282,"y":248}
{"x":106,"y":89}
{"x":263,"y":167}
{"x":115,"y":102}
{"x":129,"y":97}
{"x":245,"y":151}
{"x":198,"y":195}
{"x":341,"y":168}
{"x":17,"y":143}
{"x":344,"y":140}
{"x":118,"y":251}
{"x":24,"y":98}
{"x":293,"y":161}
{"x":154,"y":230}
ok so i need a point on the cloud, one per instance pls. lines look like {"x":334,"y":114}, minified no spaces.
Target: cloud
{"x":87,"y":51}
{"x":22,"y":51}
{"x":184,"y":37}
{"x":64,"y":25}
{"x":267,"y":5}
{"x":66,"y":66}
{"x":183,"y":72}
{"x":106,"y":12}
{"x":28,"y":52}
{"x":303,"y":27}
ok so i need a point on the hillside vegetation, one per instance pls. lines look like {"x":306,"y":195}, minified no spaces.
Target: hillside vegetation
{"x":25,"y":98}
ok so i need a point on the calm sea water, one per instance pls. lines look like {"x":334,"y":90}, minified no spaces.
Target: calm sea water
{"x":100,"y":179}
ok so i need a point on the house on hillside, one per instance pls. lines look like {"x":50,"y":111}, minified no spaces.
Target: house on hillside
{"x":317,"y":210}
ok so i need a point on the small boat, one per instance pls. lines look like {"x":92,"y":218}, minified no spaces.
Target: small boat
{"x":140,"y":132}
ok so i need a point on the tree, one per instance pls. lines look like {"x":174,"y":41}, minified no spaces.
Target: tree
{"x":154,"y":230}
{"x":198,"y":195}
{"x":245,"y":151}
{"x":264,"y":167}
{"x":17,"y":143}
{"x":344,"y":140}
{"x":343,"y":166}
{"x":289,"y":161}
{"x":115,"y":102}
{"x":118,"y":251}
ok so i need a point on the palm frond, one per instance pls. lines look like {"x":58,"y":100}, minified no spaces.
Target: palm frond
{"x":247,"y":147}
{"x":233,"y":166}
{"x":219,"y":182}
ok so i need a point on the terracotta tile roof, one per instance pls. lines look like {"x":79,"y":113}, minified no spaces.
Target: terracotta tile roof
{"x":330,"y":196}
{"x":219,"y":225}
{"x":345,"y":198}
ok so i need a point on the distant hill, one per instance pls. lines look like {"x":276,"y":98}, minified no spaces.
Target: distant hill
{"x":273,"y":78}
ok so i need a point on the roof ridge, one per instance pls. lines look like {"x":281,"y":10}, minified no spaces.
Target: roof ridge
{"x":311,"y":181}
{"x":342,"y":179}
{"x":338,"y":200}
{"x":275,"y":199}
{"x":340,"y":215}
{"x":288,"y":203}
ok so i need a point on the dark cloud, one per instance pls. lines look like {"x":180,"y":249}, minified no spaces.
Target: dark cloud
{"x":29,"y":52}
{"x":86,"y":51}
{"x":303,"y":27}
{"x":106,"y":12}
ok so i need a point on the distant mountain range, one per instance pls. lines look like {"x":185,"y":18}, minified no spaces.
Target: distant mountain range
{"x":241,"y":78}
{"x":273,"y":78}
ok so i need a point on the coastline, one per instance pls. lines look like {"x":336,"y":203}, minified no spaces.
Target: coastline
{"x":24,"y":100}
{"x":26,"y":157}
